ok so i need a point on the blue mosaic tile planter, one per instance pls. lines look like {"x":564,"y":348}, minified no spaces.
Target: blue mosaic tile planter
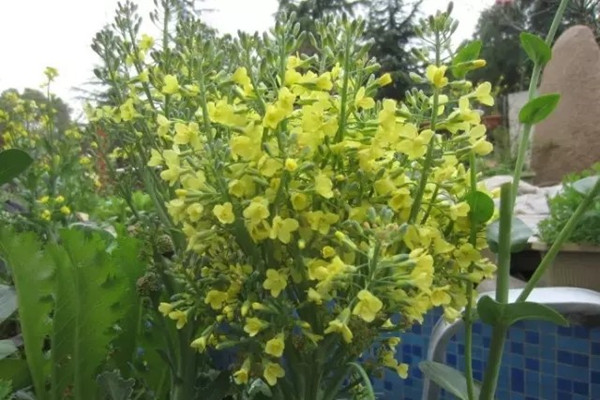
{"x":541,"y":361}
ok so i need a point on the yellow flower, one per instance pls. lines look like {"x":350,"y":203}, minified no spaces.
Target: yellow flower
{"x":272,"y":372}
{"x":314,"y":296}
{"x":482,"y":147}
{"x":186,"y":134}
{"x":275,"y":346}
{"x":328,"y":252}
{"x":180,"y":317}
{"x":241,"y":375}
{"x":416,"y":146}
{"x":320,"y":221}
{"x":459,"y":210}
{"x":44,"y":199}
{"x":170,"y":84}
{"x":324,"y":186}
{"x":275,"y":282}
{"x":439,"y":296}
{"x":363,"y":101}
{"x":146,"y":43}
{"x":436,"y":76}
{"x":65,"y":210}
{"x":273,"y":116}
{"x":257,"y":210}
{"x":299,"y":201}
{"x":290,"y":165}
{"x":215,"y":298}
{"x":59,"y":199}
{"x":254,"y":325}
{"x":282,"y":229}
{"x":224,"y":213}
{"x":339,"y":325}
{"x":46,"y":215}
{"x":483,"y":94}
{"x":368,"y":306}
{"x":165,"y":308}
{"x":199,"y":344}
{"x":466,"y":254}
{"x":128,"y":111}
{"x":384,"y":79}
{"x":402,"y":370}
{"x":240,"y":76}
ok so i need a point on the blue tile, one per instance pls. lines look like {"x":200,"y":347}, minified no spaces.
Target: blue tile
{"x":387,"y":385}
{"x":581,"y":332}
{"x":595,"y":377}
{"x":560,"y":395}
{"x":564,"y":357}
{"x":564,"y":384}
{"x":532,"y":337}
{"x":564,"y":331}
{"x":477,"y":328}
{"x":581,"y":360}
{"x":451,"y":359}
{"x":532,"y":364}
{"x":595,"y":334}
{"x":516,"y":347}
{"x":517,"y":381}
{"x":581,"y":388}
{"x":486,"y":342}
{"x":595,"y":391}
{"x":516,"y":335}
{"x":548,"y":367}
{"x":595,"y":348}
{"x":548,"y":390}
{"x":532,"y":351}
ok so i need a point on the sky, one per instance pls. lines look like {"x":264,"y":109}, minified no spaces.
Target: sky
{"x":58,"y":33}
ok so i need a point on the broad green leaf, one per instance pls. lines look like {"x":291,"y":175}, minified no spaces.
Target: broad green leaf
{"x":519,"y":236}
{"x":448,"y":378}
{"x":538,"y":109}
{"x":16,"y":371}
{"x":259,"y":388}
{"x":481,"y":206}
{"x":12,"y":163}
{"x":114,"y":386}
{"x":536,"y":48}
{"x":7,"y":347}
{"x":32,"y":271}
{"x":469,"y":52}
{"x":88,"y":305}
{"x":584,"y":185}
{"x":5,"y":390}
{"x":497,"y":314}
{"x":8,"y":302}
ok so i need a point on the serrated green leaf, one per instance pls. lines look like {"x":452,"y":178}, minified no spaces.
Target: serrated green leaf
{"x":585,"y":185}
{"x":538,"y":109}
{"x":87,"y":307}
{"x":32,"y":270}
{"x":8,"y":302}
{"x":536,"y":48}
{"x":498,"y":314}
{"x":114,"y":386}
{"x":12,"y":163}
{"x":467,"y":53}
{"x":481,"y":206}
{"x":519,"y":236}
{"x":448,"y":378}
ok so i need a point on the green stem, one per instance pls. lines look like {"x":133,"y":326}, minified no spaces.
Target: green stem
{"x":533,"y":84}
{"x":492,"y":369}
{"x":339,"y":136}
{"x":503,"y":272}
{"x":494,"y":360}
{"x":562,"y":237}
{"x":414,"y":211}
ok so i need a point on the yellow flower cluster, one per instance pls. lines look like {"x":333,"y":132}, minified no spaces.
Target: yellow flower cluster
{"x":304,"y":209}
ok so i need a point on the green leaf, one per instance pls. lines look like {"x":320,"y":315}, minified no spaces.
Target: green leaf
{"x":8,"y":302}
{"x":519,"y":235}
{"x":585,"y":185}
{"x":12,"y":163}
{"x":467,"y":53}
{"x":259,"y":388}
{"x":538,"y":109}
{"x":88,"y":304}
{"x":5,"y":390}
{"x":16,"y":371}
{"x":448,"y":378}
{"x":481,"y":206}
{"x":32,"y":271}
{"x":7,"y":347}
{"x":498,"y":314}
{"x":114,"y":386}
{"x":536,"y":48}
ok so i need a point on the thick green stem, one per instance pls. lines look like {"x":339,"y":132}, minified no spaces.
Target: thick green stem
{"x":562,"y":238}
{"x":503,"y":272}
{"x":494,"y":361}
{"x":533,"y":84}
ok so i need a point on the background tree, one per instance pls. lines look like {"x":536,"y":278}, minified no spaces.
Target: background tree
{"x":390,"y":27}
{"x":499,"y":27}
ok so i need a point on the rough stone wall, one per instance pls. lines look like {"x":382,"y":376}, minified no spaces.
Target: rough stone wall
{"x":569,"y":140}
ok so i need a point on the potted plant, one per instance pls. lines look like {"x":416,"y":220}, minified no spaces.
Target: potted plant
{"x":576,"y":263}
